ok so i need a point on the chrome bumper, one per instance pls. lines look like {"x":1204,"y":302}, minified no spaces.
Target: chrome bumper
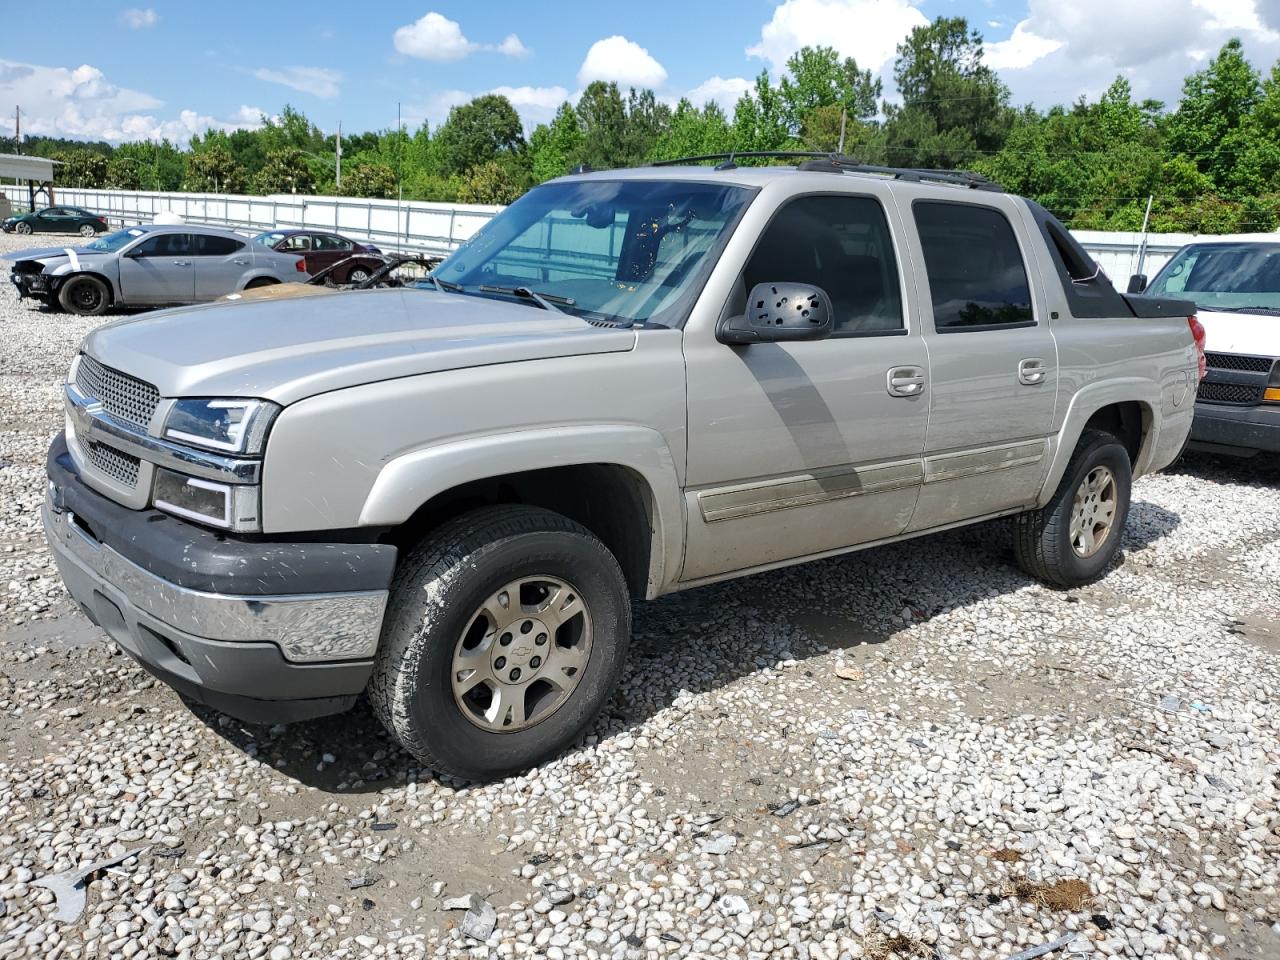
{"x":307,"y":628}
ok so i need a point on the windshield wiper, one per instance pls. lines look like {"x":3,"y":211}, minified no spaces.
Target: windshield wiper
{"x":1253,"y":309}
{"x":547,"y":301}
{"x":445,"y":284}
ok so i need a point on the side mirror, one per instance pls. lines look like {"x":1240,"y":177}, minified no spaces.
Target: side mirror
{"x":780,"y":313}
{"x":1137,"y":283}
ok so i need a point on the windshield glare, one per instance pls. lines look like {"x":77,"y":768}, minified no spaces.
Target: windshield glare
{"x":113,"y":241}
{"x":269,"y":239}
{"x":1223,"y":276}
{"x":634,"y":250}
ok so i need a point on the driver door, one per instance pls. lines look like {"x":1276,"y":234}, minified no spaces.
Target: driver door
{"x":158,"y":270}
{"x":797,"y":449}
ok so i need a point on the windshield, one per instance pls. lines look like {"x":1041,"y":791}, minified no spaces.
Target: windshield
{"x":631,"y":250}
{"x":269,"y":239}
{"x":1223,"y":276}
{"x":114,"y":241}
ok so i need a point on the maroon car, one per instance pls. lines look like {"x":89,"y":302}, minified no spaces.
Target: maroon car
{"x":320,"y":250}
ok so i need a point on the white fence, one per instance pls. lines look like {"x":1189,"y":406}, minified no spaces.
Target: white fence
{"x":411,"y":225}
{"x":440,"y":227}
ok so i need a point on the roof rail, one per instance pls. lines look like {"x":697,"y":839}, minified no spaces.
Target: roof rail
{"x":833,"y":162}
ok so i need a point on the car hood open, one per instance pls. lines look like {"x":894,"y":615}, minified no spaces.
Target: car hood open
{"x":285,"y":350}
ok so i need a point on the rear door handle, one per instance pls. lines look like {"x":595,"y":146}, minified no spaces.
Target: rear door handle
{"x":905,"y":381}
{"x":1032,"y":371}
{"x":182,"y":263}
{"x":243,"y":263}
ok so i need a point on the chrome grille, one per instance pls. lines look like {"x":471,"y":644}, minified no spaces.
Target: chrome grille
{"x":124,"y":397}
{"x":1236,"y":361}
{"x":119,"y":466}
{"x":1228,"y":393}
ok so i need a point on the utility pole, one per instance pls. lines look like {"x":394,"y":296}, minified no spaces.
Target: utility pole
{"x":337,"y":179}
{"x":17,"y":128}
{"x":844,"y":115}
{"x":399,"y":172}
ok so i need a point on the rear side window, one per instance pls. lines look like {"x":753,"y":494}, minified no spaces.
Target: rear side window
{"x":207,"y":245}
{"x":326,"y":242}
{"x":977,"y":279}
{"x":840,"y":243}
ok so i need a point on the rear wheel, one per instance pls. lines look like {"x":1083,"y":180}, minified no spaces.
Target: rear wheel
{"x":22,"y":227}
{"x":357,"y":275}
{"x":85,"y":295}
{"x":1074,"y":538}
{"x":505,"y":635}
{"x":261,"y":282}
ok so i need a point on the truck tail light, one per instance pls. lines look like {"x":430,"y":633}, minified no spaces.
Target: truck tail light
{"x":1197,"y":334}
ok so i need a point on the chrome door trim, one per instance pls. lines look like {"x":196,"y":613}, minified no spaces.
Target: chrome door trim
{"x":802,"y":490}
{"x":971,"y":463}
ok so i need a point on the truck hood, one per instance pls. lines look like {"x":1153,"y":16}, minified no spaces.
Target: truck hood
{"x":285,"y":350}
{"x":1254,"y":334}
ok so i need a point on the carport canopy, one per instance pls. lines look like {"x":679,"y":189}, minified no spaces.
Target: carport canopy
{"x":39,"y":169}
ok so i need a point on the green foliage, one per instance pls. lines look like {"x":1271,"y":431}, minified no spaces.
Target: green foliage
{"x":213,"y":170}
{"x":820,"y":91}
{"x":554,"y":148}
{"x":375,"y":180}
{"x":489,"y":182}
{"x":286,"y":170}
{"x":478,"y":132}
{"x":80,"y":168}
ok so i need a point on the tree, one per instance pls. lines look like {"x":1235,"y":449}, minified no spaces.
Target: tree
{"x":820,"y":89}
{"x":375,"y":180}
{"x":603,"y":118}
{"x":478,"y":132}
{"x":80,"y":168}
{"x":489,"y":182}
{"x":759,"y":119}
{"x":213,"y":170}
{"x":1211,"y":123}
{"x":286,"y":170}
{"x":554,"y":148}
{"x":124,"y":173}
{"x":954,"y":106}
{"x":694,"y":132}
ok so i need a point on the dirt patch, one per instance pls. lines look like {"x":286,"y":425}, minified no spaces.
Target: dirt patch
{"x":1006,"y":855}
{"x":877,"y":946}
{"x":1069,"y":896}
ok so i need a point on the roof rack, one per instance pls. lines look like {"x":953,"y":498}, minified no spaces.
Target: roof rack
{"x":840,"y":163}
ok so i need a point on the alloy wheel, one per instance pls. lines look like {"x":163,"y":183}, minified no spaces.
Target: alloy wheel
{"x":1093,"y":512}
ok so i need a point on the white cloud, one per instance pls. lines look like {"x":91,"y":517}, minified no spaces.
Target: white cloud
{"x":1061,"y":51}
{"x":512,"y":47}
{"x":622,"y":61}
{"x":317,"y":81}
{"x":1022,"y":49}
{"x":137,"y":18}
{"x":725,"y":92}
{"x":867,"y":30}
{"x":81,"y":102}
{"x":433,"y":37}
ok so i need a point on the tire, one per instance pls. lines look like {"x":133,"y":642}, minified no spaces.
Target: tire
{"x":260,"y":282}
{"x":1046,"y":542}
{"x":22,"y":227}
{"x":438,"y":612}
{"x":357,"y":275}
{"x":86,"y":230}
{"x":85,"y":295}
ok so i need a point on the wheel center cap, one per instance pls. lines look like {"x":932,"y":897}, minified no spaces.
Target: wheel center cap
{"x":525,"y":651}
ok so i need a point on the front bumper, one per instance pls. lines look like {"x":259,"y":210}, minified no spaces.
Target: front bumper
{"x":1221,"y":428}
{"x":32,"y":285}
{"x":282,"y":648}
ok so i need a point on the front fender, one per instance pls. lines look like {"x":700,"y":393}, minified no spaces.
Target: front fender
{"x":411,"y":479}
{"x":1089,"y":400}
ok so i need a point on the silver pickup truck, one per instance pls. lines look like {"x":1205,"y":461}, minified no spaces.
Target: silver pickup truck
{"x":628,"y":383}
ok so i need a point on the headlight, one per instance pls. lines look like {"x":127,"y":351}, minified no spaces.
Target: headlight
{"x":231,"y":426}
{"x":230,"y":506}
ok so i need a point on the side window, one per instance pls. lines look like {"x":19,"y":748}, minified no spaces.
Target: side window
{"x":840,"y":243}
{"x":299,"y":241}
{"x":164,"y":245}
{"x":207,"y":245}
{"x":326,"y":242}
{"x":976,"y":275}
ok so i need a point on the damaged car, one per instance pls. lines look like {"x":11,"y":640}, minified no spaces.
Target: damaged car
{"x":149,"y":266}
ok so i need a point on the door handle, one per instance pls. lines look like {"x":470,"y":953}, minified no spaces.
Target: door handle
{"x":905,"y":381}
{"x":182,"y":263}
{"x":243,"y":263}
{"x":1032,"y":371}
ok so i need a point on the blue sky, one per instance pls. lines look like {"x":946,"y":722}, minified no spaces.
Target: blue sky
{"x":121,"y":72}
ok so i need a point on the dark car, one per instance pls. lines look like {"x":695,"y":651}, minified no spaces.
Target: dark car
{"x":57,"y":220}
{"x":321,"y":250}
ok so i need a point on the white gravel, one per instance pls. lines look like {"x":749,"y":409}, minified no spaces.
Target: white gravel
{"x":906,"y":752}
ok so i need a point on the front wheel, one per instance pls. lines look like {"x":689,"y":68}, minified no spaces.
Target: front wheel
{"x":1073,"y":539}
{"x":85,"y":295}
{"x":505,"y":635}
{"x":86,"y":230}
{"x":22,"y":227}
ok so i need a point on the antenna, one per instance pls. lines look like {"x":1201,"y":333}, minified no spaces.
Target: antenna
{"x":337,"y":177}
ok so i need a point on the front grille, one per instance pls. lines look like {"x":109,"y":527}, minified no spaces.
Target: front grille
{"x":1229,"y":393}
{"x":119,"y":466}
{"x":1236,"y":361}
{"x":124,"y":397}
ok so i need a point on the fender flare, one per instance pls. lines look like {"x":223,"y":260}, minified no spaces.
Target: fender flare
{"x":1084,"y":404}
{"x":257,"y":273}
{"x":415,"y":477}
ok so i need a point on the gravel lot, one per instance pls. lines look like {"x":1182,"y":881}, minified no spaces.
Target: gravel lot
{"x":912,"y":752}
